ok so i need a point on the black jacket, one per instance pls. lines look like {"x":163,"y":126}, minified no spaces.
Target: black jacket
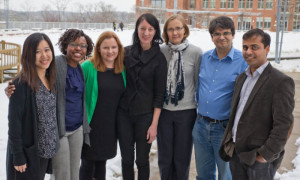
{"x":146,"y":75}
{"x":22,"y":134}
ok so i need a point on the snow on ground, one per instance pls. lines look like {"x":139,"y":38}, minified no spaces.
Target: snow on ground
{"x":201,"y":38}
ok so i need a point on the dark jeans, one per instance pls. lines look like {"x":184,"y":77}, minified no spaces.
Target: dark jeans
{"x":258,"y":171}
{"x":175,"y":142}
{"x":90,"y":169}
{"x":132,"y":132}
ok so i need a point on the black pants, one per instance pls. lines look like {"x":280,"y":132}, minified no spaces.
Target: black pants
{"x":132,"y":134}
{"x":90,"y":169}
{"x":258,"y":171}
{"x":175,"y":143}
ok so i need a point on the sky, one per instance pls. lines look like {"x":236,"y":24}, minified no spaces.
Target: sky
{"x":121,"y":5}
{"x":200,"y":38}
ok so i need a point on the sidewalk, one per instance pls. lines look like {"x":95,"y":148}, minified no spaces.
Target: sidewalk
{"x":290,"y":147}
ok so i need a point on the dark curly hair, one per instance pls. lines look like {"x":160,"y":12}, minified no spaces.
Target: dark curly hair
{"x":71,"y":35}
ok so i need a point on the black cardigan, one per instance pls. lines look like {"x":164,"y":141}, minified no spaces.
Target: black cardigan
{"x":22,"y":133}
{"x":146,"y":75}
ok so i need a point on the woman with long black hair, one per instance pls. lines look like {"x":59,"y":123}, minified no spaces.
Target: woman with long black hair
{"x":33,"y":134}
{"x":140,"y":107}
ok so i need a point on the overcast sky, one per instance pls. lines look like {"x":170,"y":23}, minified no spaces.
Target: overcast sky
{"x":121,"y":5}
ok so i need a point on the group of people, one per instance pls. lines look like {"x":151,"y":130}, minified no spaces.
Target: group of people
{"x":232,"y":105}
{"x":121,"y":26}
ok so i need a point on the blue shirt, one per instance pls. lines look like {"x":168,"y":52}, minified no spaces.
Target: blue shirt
{"x":216,"y":82}
{"x":74,"y":96}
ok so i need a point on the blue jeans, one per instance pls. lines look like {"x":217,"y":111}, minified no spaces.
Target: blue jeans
{"x":207,"y":141}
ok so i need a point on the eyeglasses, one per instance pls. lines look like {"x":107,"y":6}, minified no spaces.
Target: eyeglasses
{"x":225,"y":34}
{"x":177,"y":29}
{"x":82,"y":46}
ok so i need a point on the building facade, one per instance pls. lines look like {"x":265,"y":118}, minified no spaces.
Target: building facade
{"x":246,"y":14}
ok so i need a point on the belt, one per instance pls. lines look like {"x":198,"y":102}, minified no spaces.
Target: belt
{"x":210,"y":120}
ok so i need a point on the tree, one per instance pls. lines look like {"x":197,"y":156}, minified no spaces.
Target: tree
{"x":48,"y":15}
{"x":61,"y":6}
{"x":27,"y":8}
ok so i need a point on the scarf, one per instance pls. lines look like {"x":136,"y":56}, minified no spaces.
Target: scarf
{"x":175,"y":77}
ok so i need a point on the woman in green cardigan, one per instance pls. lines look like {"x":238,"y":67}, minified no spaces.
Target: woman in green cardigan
{"x":105,"y":80}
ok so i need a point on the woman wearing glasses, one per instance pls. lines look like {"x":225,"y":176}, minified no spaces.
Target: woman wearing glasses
{"x":73,"y":128}
{"x":140,"y":107}
{"x":178,"y":115}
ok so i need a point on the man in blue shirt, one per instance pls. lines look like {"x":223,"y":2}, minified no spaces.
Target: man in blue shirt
{"x":218,"y":71}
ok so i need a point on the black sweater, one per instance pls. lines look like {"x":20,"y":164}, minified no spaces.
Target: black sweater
{"x":146,"y":75}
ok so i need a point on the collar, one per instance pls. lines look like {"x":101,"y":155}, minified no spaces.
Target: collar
{"x":229,"y":56}
{"x":143,"y":57}
{"x":258,"y":71}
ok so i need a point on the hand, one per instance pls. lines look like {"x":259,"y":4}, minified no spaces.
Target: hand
{"x":260,"y":159}
{"x":21,"y":168}
{"x":9,"y":90}
{"x":151,"y":134}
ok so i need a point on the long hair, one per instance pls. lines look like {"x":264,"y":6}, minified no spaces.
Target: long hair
{"x":71,"y":35}
{"x":97,"y":59}
{"x":185,"y":26}
{"x":152,"y":20}
{"x":28,"y":72}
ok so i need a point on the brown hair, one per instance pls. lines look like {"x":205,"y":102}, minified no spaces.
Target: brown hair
{"x":28,"y":73}
{"x":97,"y":59}
{"x":181,"y":19}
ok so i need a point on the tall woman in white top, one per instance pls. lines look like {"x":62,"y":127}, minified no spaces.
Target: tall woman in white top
{"x":179,"y":111}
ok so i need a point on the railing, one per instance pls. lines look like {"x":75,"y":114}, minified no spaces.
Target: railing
{"x":10,"y":59}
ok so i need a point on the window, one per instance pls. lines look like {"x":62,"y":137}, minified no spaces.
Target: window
{"x":267,"y":23}
{"x":297,"y":7}
{"x":175,"y":4}
{"x":244,"y":23}
{"x":205,"y":3}
{"x":212,"y":4}
{"x":269,"y":4}
{"x":249,"y":4}
{"x":296,"y":24}
{"x":204,"y":22}
{"x":192,"y":4}
{"x":223,"y":4}
{"x":158,"y":3}
{"x":230,"y":4}
{"x":287,"y":3}
{"x":241,"y":3}
{"x":260,"y":4}
{"x":259,"y":22}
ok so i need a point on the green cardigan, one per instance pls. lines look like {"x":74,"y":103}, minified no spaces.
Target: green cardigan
{"x":91,"y":83}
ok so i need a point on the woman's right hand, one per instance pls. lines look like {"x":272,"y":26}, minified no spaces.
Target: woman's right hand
{"x":9,"y":90}
{"x":21,"y":168}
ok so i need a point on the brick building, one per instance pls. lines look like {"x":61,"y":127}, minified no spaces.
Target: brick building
{"x":246,"y":14}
